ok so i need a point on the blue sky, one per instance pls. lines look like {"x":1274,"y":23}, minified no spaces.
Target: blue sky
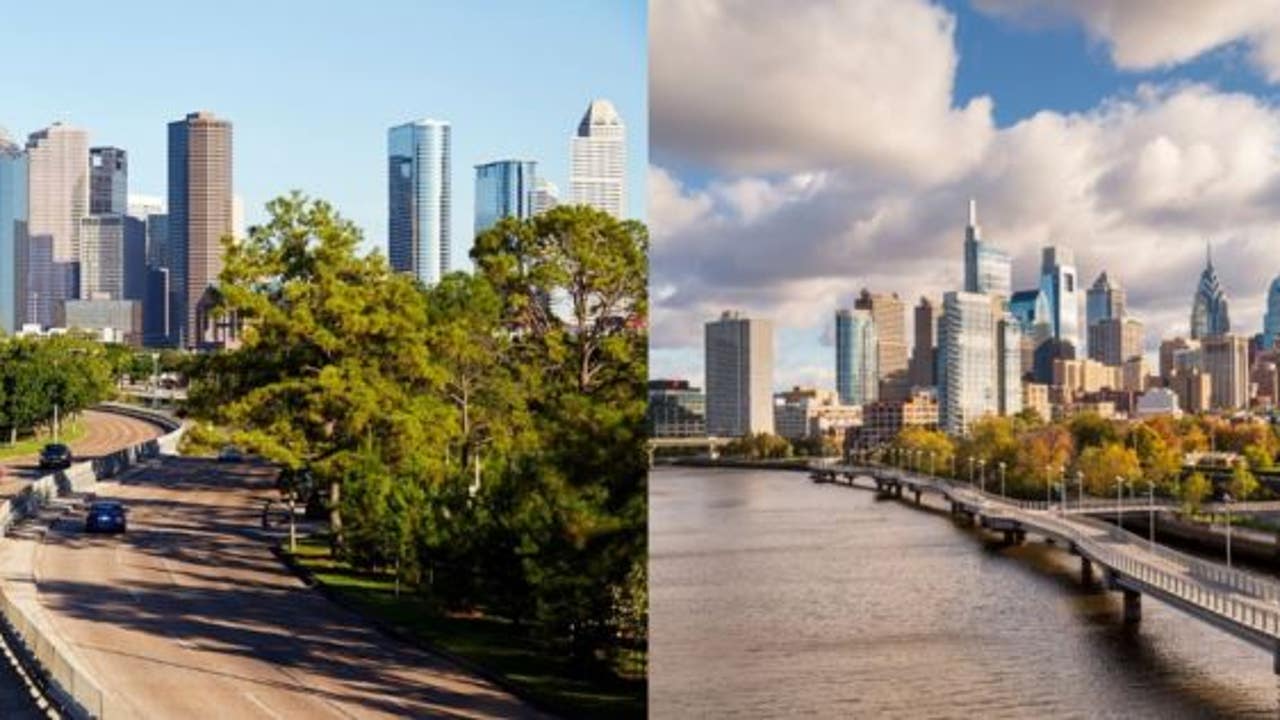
{"x":312,"y":87}
{"x":821,"y":148}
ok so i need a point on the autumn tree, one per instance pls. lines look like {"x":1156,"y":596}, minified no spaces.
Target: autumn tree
{"x":1102,"y":464}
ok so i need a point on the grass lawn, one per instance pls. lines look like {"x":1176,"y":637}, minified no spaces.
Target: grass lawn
{"x":490,"y":643}
{"x":71,"y":431}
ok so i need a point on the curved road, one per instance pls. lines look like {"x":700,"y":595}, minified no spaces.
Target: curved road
{"x":105,"y":432}
{"x":190,"y":615}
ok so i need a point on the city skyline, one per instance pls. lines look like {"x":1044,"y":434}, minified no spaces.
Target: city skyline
{"x":1131,"y":167}
{"x":232,"y":70}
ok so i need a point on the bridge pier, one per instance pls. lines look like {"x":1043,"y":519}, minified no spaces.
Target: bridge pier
{"x":1086,"y":571}
{"x":917,"y":496}
{"x":897,"y":490}
{"x":1275,"y":662}
{"x":1132,"y":607}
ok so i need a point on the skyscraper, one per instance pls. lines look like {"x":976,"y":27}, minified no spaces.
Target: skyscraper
{"x":1008,"y":362}
{"x":102,"y":257}
{"x":200,"y":215}
{"x":1226,"y":361}
{"x":922,"y":369}
{"x":545,"y":195}
{"x":598,"y":160}
{"x":987,"y":269}
{"x":967,"y":362}
{"x":13,"y":235}
{"x":1058,"y":283}
{"x":108,"y":181}
{"x":1270,"y":323}
{"x":856,"y":363}
{"x":504,"y":188}
{"x":419,"y":199}
{"x":1209,"y":314}
{"x":889,"y":315}
{"x":1115,"y":341}
{"x":1105,"y":300}
{"x":739,"y":375}
{"x":57,"y":199}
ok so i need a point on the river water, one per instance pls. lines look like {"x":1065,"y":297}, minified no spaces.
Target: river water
{"x":775,"y":597}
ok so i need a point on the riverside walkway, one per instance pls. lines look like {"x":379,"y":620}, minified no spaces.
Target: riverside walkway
{"x":1235,"y":601}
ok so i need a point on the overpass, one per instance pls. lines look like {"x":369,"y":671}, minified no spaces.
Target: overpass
{"x":711,"y":443}
{"x":1237,"y":602}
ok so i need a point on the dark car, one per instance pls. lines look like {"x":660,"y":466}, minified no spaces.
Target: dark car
{"x":230,"y":453}
{"x":105,"y":516}
{"x":55,"y":456}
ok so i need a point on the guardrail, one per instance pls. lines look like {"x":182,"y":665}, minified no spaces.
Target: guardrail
{"x":69,"y":686}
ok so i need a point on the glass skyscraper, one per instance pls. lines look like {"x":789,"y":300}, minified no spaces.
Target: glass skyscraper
{"x":967,"y":361}
{"x":856,"y":362}
{"x":419,"y":199}
{"x":1059,"y":284}
{"x":504,"y":188}
{"x":13,"y":234}
{"x":987,"y":269}
{"x":1270,"y":324}
{"x":1209,"y":316}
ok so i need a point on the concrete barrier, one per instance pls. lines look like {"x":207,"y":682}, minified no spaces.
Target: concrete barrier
{"x":43,"y":656}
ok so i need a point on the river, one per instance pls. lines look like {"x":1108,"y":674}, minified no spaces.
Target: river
{"x":774,"y":597}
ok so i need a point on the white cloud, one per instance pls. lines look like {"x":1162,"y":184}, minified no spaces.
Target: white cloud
{"x":1147,"y":34}
{"x":1135,"y":186}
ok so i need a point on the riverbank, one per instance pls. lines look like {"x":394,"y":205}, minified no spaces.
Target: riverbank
{"x":493,"y":647}
{"x":800,"y":464}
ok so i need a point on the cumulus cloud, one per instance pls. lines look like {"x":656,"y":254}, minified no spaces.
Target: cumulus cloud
{"x":1147,"y":34}
{"x":771,"y":86}
{"x":1136,"y":186}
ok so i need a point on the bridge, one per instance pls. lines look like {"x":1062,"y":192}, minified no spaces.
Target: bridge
{"x":711,"y":443}
{"x":1234,"y":601}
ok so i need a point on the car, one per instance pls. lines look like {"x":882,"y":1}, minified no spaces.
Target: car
{"x":105,"y":516}
{"x":55,"y":456}
{"x":230,"y":453}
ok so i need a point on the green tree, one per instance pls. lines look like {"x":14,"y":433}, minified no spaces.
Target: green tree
{"x":936,"y":448}
{"x":1102,"y":464}
{"x":1243,"y":484}
{"x":1193,"y":491}
{"x":1092,"y":430}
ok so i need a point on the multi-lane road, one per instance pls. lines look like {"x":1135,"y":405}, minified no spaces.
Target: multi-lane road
{"x":105,"y":432}
{"x":190,"y":615}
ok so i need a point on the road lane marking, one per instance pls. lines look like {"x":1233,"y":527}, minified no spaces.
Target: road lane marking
{"x":254,"y":699}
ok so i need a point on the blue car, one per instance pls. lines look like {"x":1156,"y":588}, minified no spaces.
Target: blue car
{"x":105,"y":516}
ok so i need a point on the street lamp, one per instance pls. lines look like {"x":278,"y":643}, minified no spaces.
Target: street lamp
{"x":971,"y":459}
{"x":1002,"y":479}
{"x":1151,"y":510}
{"x":1119,"y":488}
{"x":932,"y":458}
{"x":982,"y":475}
{"x":1226,"y":500}
{"x":1048,"y":481}
{"x":1080,"y":480}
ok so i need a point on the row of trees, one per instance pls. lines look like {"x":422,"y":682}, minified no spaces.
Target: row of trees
{"x":483,"y":439}
{"x":39,"y":374}
{"x":767,"y":446}
{"x":1033,"y":458}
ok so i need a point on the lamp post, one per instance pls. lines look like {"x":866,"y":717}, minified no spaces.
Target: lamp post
{"x":1048,"y":482}
{"x":1151,"y":510}
{"x":1119,"y":488}
{"x":1080,"y":480}
{"x":971,"y":459}
{"x":1226,"y":500}
{"x":932,"y":464}
{"x":982,"y":475}
{"x":1002,"y":479}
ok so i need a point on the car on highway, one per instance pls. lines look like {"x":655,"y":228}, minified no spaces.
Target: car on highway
{"x":230,"y":453}
{"x":105,"y":516}
{"x":55,"y":456}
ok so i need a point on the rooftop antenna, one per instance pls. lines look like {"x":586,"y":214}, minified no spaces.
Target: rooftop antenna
{"x":973,"y":211}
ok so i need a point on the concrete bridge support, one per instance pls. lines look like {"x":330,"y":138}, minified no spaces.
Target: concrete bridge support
{"x":1132,"y":607}
{"x":917,"y":496}
{"x":1086,"y":571}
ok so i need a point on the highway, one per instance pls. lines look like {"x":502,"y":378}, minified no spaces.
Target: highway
{"x":189,"y":615}
{"x":105,"y":432}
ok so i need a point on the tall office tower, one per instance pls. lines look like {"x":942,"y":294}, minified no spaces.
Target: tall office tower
{"x":1209,"y":314}
{"x":57,"y":198}
{"x":108,"y":181}
{"x":13,"y":235}
{"x":987,"y":269}
{"x":1115,"y":341}
{"x":739,"y":375}
{"x":1177,"y":353}
{"x":856,"y":377}
{"x":889,"y":315}
{"x":598,"y":160}
{"x":1105,"y":300}
{"x":199,"y":214}
{"x":158,"y":240}
{"x":1058,"y":283}
{"x":134,"y":258}
{"x":922,"y":369}
{"x":504,"y":188}
{"x":419,"y":199}
{"x":156,"y":330}
{"x":45,"y":281}
{"x":545,"y":195}
{"x":102,"y":257}
{"x":1008,"y":362}
{"x":967,"y":364}
{"x":1270,"y":323}
{"x":1225,"y":360}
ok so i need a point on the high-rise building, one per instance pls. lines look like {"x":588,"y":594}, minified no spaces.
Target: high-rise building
{"x":13,"y":235}
{"x":156,"y":326}
{"x":967,"y":363}
{"x":57,"y":199}
{"x":504,"y":188}
{"x":1105,"y":300}
{"x":1058,"y":283}
{"x":545,"y":195}
{"x":1271,"y":322}
{"x":676,"y":409}
{"x":1209,"y":314}
{"x":801,"y":413}
{"x":102,"y":257}
{"x":1225,"y":360}
{"x":134,"y":257}
{"x":922,"y":370}
{"x":1178,"y":353}
{"x":739,"y":369}
{"x":420,"y":199}
{"x":889,"y":315}
{"x":1008,"y":363}
{"x":598,"y":160}
{"x":46,"y":281}
{"x":1115,"y":340}
{"x":856,"y":362}
{"x":158,"y":241}
{"x":108,"y":181}
{"x":200,"y":214}
{"x":987,"y":269}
